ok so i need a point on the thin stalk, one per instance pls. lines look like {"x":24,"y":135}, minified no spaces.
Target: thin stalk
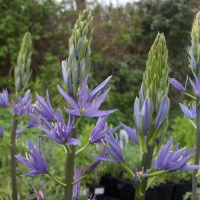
{"x":13,"y":159}
{"x":56,"y":180}
{"x":69,"y":170}
{"x":197,"y":153}
{"x":127,"y":169}
{"x":83,"y":148}
{"x":6,"y":143}
{"x":146,"y":163}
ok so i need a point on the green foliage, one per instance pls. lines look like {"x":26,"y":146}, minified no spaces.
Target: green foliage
{"x":183,"y":132}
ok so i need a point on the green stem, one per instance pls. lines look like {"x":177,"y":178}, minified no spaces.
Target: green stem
{"x":189,"y":95}
{"x":56,"y":180}
{"x":77,"y":122}
{"x":146,"y":163}
{"x":83,"y":148}
{"x":158,"y":173}
{"x":197,"y":153}
{"x":13,"y":159}
{"x":69,"y":170}
{"x":6,"y":143}
{"x":80,"y":179}
{"x":67,"y":149}
{"x":127,"y":169}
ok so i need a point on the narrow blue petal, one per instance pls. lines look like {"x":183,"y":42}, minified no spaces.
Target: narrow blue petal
{"x":99,"y":89}
{"x":177,"y":85}
{"x":131,"y":133}
{"x":163,"y":111}
{"x":189,"y":113}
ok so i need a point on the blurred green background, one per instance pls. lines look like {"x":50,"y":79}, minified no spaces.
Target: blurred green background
{"x":122,"y":38}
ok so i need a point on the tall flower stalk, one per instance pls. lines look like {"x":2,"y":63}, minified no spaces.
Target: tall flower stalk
{"x":21,"y":75}
{"x":195,"y":67}
{"x":76,"y":66}
{"x":150,"y":124}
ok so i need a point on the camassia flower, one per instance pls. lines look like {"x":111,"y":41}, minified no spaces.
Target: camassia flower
{"x":23,"y":105}
{"x":34,"y":160}
{"x":41,"y":195}
{"x":131,"y":133}
{"x":177,"y":85}
{"x":59,"y":131}
{"x":189,"y":113}
{"x":196,"y":86}
{"x":88,"y":105}
{"x":1,"y":132}
{"x":113,"y":153}
{"x":173,"y":160}
{"x":100,"y":131}
{"x":77,"y":186}
{"x":44,"y":108}
{"x":143,"y":114}
{"x":139,"y":176}
{"x":95,"y":163}
{"x":4,"y":102}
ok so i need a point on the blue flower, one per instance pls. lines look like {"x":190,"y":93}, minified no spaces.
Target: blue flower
{"x":23,"y":105}
{"x":76,"y":187}
{"x":41,"y":195}
{"x":95,"y":163}
{"x":19,"y":130}
{"x":189,"y":113}
{"x":34,"y":160}
{"x":177,"y":85}
{"x":4,"y":102}
{"x":44,"y":109}
{"x":131,"y":133}
{"x":100,"y":131}
{"x":59,"y":131}
{"x":197,"y":86}
{"x":139,"y":176}
{"x":163,"y":111}
{"x":88,"y":105}
{"x":1,"y":132}
{"x":113,"y":153}
{"x":173,"y":160}
{"x":143,"y":114}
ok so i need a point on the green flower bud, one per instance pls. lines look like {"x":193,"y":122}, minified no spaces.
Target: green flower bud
{"x":78,"y":62}
{"x":194,"y":51}
{"x":22,"y":70}
{"x":155,"y":83}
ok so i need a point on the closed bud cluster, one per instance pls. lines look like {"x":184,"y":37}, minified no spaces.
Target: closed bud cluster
{"x":194,"y":51}
{"x":22,"y":70}
{"x":78,"y":62}
{"x":152,"y":106}
{"x":155,"y":83}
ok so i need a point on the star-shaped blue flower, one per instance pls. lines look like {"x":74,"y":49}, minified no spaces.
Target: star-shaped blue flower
{"x":173,"y":160}
{"x":88,"y":105}
{"x":34,"y":160}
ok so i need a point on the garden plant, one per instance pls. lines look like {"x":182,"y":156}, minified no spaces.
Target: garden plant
{"x":62,"y":126}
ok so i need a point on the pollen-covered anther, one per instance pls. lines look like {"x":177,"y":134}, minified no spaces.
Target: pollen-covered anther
{"x":63,"y":140}
{"x":180,"y":159}
{"x":83,"y":111}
